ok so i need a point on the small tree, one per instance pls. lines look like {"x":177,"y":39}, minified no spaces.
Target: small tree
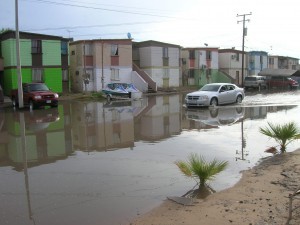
{"x":197,"y":167}
{"x":282,"y":134}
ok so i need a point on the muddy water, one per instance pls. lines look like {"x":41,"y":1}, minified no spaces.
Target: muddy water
{"x":95,"y":163}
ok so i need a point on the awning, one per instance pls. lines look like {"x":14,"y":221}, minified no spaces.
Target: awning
{"x":277,"y":72}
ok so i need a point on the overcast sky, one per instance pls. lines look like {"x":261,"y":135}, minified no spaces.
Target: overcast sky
{"x":273,"y":26}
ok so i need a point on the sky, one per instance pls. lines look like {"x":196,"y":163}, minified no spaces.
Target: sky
{"x":273,"y":25}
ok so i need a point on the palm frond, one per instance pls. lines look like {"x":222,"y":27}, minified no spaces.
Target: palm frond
{"x":282,"y":134}
{"x":197,"y":167}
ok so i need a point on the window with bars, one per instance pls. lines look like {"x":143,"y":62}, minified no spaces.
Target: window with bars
{"x":36,"y":46}
{"x":37,"y":75}
{"x":114,"y":50}
{"x":115,"y":74}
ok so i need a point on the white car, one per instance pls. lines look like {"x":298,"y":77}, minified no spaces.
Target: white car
{"x":215,"y":94}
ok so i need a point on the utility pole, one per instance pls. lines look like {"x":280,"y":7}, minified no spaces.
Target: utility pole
{"x":244,"y":34}
{"x":19,"y":71}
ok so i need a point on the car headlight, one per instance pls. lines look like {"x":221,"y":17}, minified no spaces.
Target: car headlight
{"x":55,"y":95}
{"x":204,"y":97}
{"x":37,"y":97}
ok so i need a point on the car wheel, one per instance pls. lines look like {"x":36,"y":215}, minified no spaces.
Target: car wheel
{"x":214,"y":102}
{"x":239,"y":99}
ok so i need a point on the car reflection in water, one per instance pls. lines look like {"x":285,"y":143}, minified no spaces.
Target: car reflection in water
{"x":39,"y":120}
{"x":216,"y":116}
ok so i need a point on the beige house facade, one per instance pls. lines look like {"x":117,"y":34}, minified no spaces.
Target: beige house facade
{"x":160,"y":61}
{"x":96,"y":63}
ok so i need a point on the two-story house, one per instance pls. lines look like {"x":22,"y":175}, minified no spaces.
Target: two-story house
{"x":257,"y":61}
{"x":230,"y":62}
{"x":201,"y":66}
{"x":44,"y":58}
{"x":160,"y":61}
{"x":96,"y":63}
{"x":283,"y":62}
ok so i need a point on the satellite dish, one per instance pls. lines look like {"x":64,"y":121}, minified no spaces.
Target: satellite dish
{"x":129,"y":35}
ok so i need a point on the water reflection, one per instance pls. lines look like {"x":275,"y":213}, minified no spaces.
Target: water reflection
{"x":216,"y":116}
{"x":71,"y":159}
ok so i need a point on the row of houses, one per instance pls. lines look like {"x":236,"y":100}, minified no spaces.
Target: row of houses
{"x":89,"y":65}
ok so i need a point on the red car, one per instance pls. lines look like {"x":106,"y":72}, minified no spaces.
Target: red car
{"x":280,"y":81}
{"x":35,"y":95}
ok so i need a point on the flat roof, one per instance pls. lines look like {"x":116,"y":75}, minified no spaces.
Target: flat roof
{"x":277,"y":72}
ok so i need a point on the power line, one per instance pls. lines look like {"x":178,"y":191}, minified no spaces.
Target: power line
{"x":103,"y":25}
{"x":111,"y":5}
{"x":105,"y":9}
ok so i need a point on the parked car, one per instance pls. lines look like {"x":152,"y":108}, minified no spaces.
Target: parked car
{"x":215,"y":94}
{"x":255,"y":82}
{"x":1,"y":95}
{"x":283,"y":82}
{"x":35,"y":95}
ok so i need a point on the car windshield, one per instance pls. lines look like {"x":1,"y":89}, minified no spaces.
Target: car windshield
{"x":38,"y":87}
{"x":213,"y":88}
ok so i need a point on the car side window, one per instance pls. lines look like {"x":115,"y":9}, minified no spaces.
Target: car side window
{"x":230,"y":87}
{"x":223,"y":88}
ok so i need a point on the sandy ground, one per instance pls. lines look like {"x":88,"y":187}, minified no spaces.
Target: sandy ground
{"x":260,"y":197}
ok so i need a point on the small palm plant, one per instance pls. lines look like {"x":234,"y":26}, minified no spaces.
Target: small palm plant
{"x":197,"y":167}
{"x":282,"y":134}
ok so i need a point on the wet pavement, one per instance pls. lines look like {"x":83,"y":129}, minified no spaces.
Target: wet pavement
{"x":97,"y":163}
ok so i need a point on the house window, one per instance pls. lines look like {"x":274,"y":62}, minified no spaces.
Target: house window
{"x":64,"y":48}
{"x":114,"y":50}
{"x":73,"y":52}
{"x":208,"y":55}
{"x":36,"y":46}
{"x":65,"y":76}
{"x":165,"y":53}
{"x":88,"y":49}
{"x":37,"y":75}
{"x":261,"y":59}
{"x":192,"y":54}
{"x":166,"y":73}
{"x":237,"y":57}
{"x":115,"y":74}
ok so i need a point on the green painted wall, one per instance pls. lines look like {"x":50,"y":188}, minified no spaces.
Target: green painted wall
{"x":53,"y":79}
{"x":9,"y":52}
{"x":216,"y":77}
{"x":11,"y":79}
{"x":51,"y":52}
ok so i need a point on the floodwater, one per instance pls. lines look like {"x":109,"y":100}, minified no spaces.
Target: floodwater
{"x":95,"y":163}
